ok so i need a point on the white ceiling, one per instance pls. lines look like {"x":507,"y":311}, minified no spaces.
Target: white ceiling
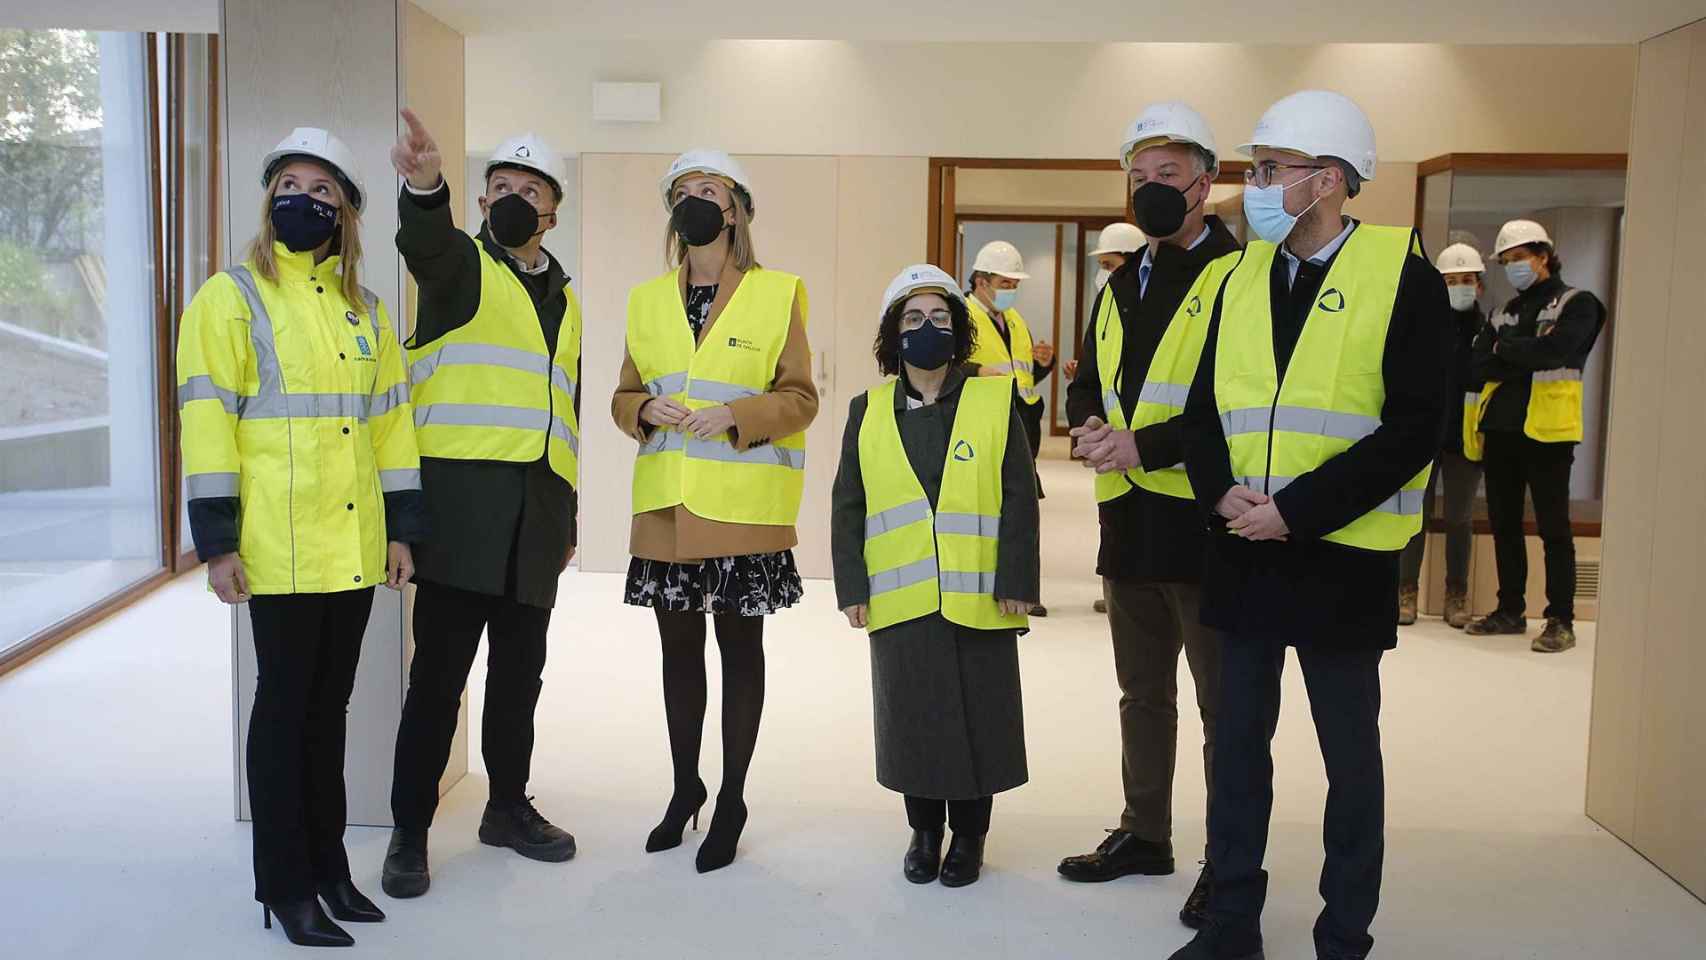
{"x":1228,"y":21}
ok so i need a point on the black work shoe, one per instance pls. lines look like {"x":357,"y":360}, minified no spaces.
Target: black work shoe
{"x":1215,"y":942}
{"x":1120,"y":855}
{"x":964,"y":862}
{"x":924,"y":858}
{"x":1559,"y":635}
{"x":1497,"y":622}
{"x":1194,"y":913}
{"x":520,"y":827}
{"x":405,"y":874}
{"x":1038,"y":610}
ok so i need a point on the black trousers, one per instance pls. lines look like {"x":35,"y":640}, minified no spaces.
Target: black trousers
{"x":968,"y":817}
{"x":307,"y":646}
{"x":1031,"y":418}
{"x":1516,"y":463}
{"x":1344,"y":697}
{"x":448,"y":624}
{"x":1459,"y":477}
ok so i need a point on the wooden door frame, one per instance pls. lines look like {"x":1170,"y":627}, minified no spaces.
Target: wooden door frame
{"x":1513,"y":163}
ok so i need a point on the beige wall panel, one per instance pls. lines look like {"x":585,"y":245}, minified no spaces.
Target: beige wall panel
{"x":1389,"y":199}
{"x":1087,"y":190}
{"x":435,"y":89}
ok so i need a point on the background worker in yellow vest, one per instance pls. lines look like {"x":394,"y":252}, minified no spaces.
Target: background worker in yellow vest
{"x":1005,"y":345}
{"x":716,"y":388}
{"x":1531,"y":355}
{"x":1308,"y":432}
{"x":1118,"y":244}
{"x":494,"y":356}
{"x":1126,"y":405}
{"x":933,"y":531}
{"x":304,"y":494}
{"x":1453,"y":472}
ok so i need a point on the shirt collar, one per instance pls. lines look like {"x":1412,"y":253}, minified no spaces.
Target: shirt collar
{"x":1148,"y":261}
{"x":1325,"y":253}
{"x":538,"y":268}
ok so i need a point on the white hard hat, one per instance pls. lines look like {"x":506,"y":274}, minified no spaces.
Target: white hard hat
{"x":1119,"y":238}
{"x":714,"y":162}
{"x":1318,"y":123}
{"x":530,"y":153}
{"x":1519,"y":233}
{"x":919,"y":276}
{"x":1460,"y":258}
{"x":1171,"y":122}
{"x":1002,"y":259}
{"x":321,"y":145}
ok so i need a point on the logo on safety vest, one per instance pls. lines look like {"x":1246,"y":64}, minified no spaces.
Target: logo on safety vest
{"x":741,"y":343}
{"x":354,"y":321}
{"x":361,"y":342}
{"x":1194,"y":308}
{"x":1333,"y":301}
{"x":963,"y":452}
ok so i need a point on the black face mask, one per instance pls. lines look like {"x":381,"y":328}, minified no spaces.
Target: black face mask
{"x":928,"y":347}
{"x":699,"y":221}
{"x":513,"y":221}
{"x":1159,"y":209}
{"x":301,"y":222}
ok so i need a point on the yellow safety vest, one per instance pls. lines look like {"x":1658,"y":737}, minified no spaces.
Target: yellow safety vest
{"x":759,"y":485}
{"x":295,"y":402}
{"x":1554,"y":396}
{"x":489,"y":390}
{"x":1167,"y":383}
{"x":1334,"y":387}
{"x":990,"y":351}
{"x":920,"y":561}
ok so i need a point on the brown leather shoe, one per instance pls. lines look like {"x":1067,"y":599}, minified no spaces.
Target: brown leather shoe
{"x":1406,"y":605}
{"x":1457,"y":608}
{"x":1559,"y":635}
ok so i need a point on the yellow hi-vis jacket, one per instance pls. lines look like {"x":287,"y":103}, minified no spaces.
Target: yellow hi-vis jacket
{"x":990,"y":351}
{"x":714,"y":480}
{"x":1334,"y":387}
{"x":918,"y":560}
{"x":1554,"y":396}
{"x":1165,"y":385}
{"x":294,"y":401}
{"x":489,"y":391}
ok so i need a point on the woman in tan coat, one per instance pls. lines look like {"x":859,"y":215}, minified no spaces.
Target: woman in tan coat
{"x":716,"y":388}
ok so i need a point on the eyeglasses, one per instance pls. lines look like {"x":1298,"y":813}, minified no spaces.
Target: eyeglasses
{"x":916,"y":318}
{"x":1262,"y":174}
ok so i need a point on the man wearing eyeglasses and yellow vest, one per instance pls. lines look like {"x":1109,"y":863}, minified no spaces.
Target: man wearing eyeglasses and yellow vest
{"x":494,"y":359}
{"x":1309,"y":428}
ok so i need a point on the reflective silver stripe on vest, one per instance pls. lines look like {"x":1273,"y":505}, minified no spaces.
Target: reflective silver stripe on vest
{"x":669,"y":383}
{"x":394,"y":481}
{"x":1403,"y":503}
{"x":918,"y":571}
{"x":477,"y":355}
{"x":561,"y":380}
{"x":562,"y":431}
{"x":767,"y":455}
{"x":203,"y":388}
{"x":478,"y":415}
{"x":969,"y":524}
{"x":1245,"y":420}
{"x":894,"y":518}
{"x":1324,"y":423}
{"x":1558,"y":375}
{"x":1166,"y":394}
{"x":663,"y":441}
{"x":203,"y":485}
{"x":272,"y":401}
{"x":1028,"y":392}
{"x":389,"y":400}
{"x":1024,"y":365}
{"x":712,"y":391}
{"x":1472,"y":398}
{"x":967,"y":581}
{"x":1006,"y":368}
{"x":306,"y":406}
{"x":1111,"y":402}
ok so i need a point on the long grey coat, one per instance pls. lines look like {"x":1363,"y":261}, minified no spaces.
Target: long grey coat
{"x":949,"y":718}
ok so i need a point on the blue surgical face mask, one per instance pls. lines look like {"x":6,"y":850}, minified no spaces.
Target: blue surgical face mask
{"x":1004,"y":299}
{"x":1521,"y":274}
{"x":1462,"y":297}
{"x":1264,"y":210}
{"x":928,"y":347}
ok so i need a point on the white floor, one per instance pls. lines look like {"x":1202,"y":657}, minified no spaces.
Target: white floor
{"x":116,"y":835}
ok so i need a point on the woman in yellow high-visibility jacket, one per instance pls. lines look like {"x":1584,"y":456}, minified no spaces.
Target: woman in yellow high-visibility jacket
{"x":304,"y":493}
{"x":934,"y":538}
{"x":716,"y":388}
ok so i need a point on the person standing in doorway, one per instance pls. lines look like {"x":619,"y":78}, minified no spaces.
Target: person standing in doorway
{"x":1462,"y":268}
{"x":495,"y":357}
{"x":1126,"y":407}
{"x":1529,"y":420}
{"x":1005,"y":347}
{"x":716,"y":388}
{"x":1308,"y":434}
{"x":1118,"y":244}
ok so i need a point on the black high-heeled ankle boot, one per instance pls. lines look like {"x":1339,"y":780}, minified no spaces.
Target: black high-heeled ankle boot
{"x":924,"y":858}
{"x":305,"y":924}
{"x":682,"y":806}
{"x":964,"y":862}
{"x":348,"y":903}
{"x":718,"y":850}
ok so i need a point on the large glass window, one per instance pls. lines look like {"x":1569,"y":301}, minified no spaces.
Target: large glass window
{"x":80,"y":515}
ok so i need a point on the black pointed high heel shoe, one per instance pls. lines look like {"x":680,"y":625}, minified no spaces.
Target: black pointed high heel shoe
{"x":305,"y":924}
{"x":682,"y":807}
{"x":718,"y":850}
{"x":349,"y":904}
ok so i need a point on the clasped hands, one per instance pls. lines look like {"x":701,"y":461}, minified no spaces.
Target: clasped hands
{"x":1252,"y":515}
{"x":1101,"y":448}
{"x":859,"y":614}
{"x":704,"y":423}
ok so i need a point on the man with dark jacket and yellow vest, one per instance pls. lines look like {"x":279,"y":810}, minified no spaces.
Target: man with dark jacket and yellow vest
{"x":1309,"y":428}
{"x":1125,"y":405}
{"x":494,"y":358}
{"x":1527,"y":425}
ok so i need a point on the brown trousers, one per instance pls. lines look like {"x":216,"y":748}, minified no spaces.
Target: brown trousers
{"x":1151,"y":623}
